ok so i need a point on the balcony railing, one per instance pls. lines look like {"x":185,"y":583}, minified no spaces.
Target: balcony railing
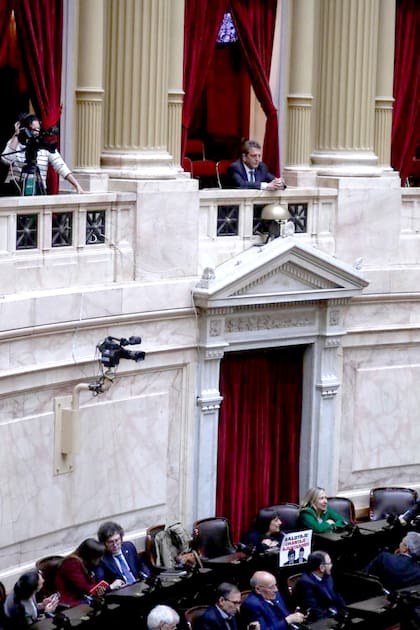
{"x":230,"y":220}
{"x":53,"y":242}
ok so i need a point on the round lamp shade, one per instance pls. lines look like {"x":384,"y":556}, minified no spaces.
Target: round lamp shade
{"x":275,"y":212}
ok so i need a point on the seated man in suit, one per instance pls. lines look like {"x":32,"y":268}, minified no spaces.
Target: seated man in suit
{"x":399,"y":569}
{"x":222,"y":614}
{"x":120,"y":560}
{"x":266,"y":605}
{"x":314,"y":591}
{"x":250,"y":172}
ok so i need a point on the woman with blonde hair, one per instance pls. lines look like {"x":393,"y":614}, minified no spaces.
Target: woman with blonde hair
{"x":315,"y":513}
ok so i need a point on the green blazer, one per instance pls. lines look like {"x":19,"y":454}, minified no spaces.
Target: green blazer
{"x":308,"y":519}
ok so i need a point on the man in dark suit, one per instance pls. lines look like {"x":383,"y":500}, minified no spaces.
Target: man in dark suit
{"x":120,"y":560}
{"x":399,"y":569}
{"x":250,"y":172}
{"x":265,"y":605}
{"x":222,"y":615}
{"x":314,"y":591}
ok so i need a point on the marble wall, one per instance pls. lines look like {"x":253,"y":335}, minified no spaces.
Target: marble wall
{"x":148,"y":446}
{"x":134,"y":457}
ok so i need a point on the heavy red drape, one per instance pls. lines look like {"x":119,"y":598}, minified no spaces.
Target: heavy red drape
{"x":201,"y":27}
{"x":5,"y":14}
{"x":259,"y":433}
{"x":406,"y":115}
{"x":255,"y":21}
{"x":39,"y":27}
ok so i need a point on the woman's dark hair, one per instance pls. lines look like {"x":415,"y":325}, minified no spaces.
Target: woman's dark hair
{"x":264,"y":518}
{"x":27,"y":584}
{"x":89,"y":550}
{"x":108,"y":529}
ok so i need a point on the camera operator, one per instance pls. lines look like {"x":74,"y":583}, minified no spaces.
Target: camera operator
{"x":16,"y":153}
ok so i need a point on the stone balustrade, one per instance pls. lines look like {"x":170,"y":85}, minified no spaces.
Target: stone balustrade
{"x":55,"y":242}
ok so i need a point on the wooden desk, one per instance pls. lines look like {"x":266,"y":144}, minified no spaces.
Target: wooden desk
{"x":374,"y":526}
{"x":77,"y":616}
{"x":378,"y":612}
{"x":354,"y":551}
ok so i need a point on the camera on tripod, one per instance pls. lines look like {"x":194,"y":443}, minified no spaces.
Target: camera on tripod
{"x":113,"y":349}
{"x":35,"y":141}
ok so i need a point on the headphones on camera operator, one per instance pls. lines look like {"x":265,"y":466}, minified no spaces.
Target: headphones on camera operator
{"x":33,"y":139}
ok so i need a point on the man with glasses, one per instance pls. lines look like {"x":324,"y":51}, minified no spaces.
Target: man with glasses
{"x":265,"y":605}
{"x":222,"y":615}
{"x":314,"y":592}
{"x":120,"y":560}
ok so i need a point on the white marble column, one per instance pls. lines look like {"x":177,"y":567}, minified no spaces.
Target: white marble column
{"x":384,"y":82}
{"x":208,"y":403}
{"x":90,"y":96}
{"x":328,"y":377}
{"x":175,"y":80}
{"x":348,"y":39}
{"x":300,"y":99}
{"x":136,"y":110}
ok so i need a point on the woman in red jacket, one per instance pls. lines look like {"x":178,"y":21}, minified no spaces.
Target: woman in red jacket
{"x":75,"y":577}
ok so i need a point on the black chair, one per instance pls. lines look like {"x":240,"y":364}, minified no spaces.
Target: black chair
{"x":2,"y":601}
{"x":289,"y":515}
{"x":390,"y":500}
{"x":150,"y":547}
{"x":355,"y":586}
{"x":344,"y":507}
{"x":192,"y":614}
{"x":212,"y":537}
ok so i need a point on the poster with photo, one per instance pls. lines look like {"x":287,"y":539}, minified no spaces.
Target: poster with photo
{"x":295,"y":548}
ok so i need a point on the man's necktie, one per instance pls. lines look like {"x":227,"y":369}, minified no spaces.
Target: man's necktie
{"x":125,"y":569}
{"x":252,"y":175}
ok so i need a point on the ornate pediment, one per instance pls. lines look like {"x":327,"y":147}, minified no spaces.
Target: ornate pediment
{"x":282,"y":271}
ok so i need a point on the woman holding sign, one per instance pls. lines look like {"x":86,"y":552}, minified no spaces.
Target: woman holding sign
{"x":265,"y":534}
{"x":315,"y":513}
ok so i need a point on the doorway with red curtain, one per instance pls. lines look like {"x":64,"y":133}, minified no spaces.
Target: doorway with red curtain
{"x":259,"y":432}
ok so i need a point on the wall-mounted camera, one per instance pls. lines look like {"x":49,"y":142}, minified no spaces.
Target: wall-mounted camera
{"x":112,"y":350}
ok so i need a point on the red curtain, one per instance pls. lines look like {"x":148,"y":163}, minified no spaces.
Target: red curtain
{"x":254,"y":22}
{"x":406,"y":115}
{"x":227,"y":105}
{"x":39,"y":27}
{"x":259,"y":433}
{"x":5,"y":15}
{"x":201,"y":27}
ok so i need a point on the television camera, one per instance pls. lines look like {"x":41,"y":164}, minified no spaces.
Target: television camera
{"x":35,"y":141}
{"x":112,"y":350}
